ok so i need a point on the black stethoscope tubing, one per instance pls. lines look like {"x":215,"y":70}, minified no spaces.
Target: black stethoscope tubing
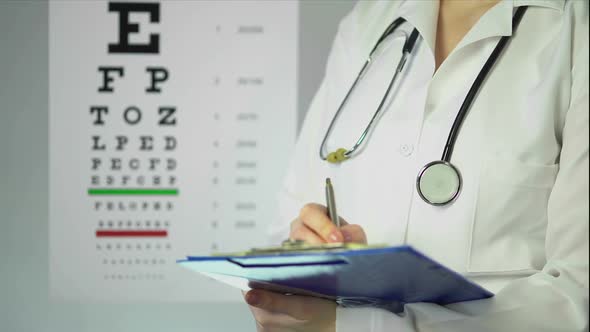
{"x":475,"y":87}
{"x":407,"y":49}
{"x":438,"y":182}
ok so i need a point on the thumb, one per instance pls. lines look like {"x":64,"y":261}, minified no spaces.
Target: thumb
{"x":343,"y":222}
{"x":354,"y":234}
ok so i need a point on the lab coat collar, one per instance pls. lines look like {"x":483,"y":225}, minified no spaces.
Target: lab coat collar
{"x":423,"y":15}
{"x":497,"y":21}
{"x":554,"y":4}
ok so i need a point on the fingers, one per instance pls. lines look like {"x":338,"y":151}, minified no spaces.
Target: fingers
{"x":300,"y":232}
{"x":354,"y":234}
{"x":271,"y":321}
{"x":299,"y":308}
{"x":315,"y":227}
{"x":273,"y":302}
{"x":315,"y":217}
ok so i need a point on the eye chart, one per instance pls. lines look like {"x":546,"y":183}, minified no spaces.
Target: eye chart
{"x":170,"y":127}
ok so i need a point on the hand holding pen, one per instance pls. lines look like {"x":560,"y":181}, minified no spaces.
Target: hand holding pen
{"x":317,"y":224}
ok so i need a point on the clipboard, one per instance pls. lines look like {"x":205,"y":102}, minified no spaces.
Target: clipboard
{"x":386,"y":277}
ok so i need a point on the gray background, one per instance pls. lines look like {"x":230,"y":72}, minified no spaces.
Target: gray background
{"x":24,"y":301}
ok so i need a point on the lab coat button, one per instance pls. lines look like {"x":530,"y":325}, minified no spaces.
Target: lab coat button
{"x":406,"y":149}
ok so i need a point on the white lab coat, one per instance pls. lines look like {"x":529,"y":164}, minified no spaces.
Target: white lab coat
{"x":520,"y":225}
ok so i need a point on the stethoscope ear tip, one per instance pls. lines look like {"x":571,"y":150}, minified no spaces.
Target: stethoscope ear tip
{"x":337,"y":156}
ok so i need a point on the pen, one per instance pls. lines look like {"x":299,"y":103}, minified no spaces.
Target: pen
{"x":331,"y":203}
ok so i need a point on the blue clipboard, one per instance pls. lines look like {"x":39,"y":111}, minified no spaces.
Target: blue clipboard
{"x":385,"y":277}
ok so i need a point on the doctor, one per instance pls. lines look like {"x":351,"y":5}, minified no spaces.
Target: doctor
{"x":508,"y":208}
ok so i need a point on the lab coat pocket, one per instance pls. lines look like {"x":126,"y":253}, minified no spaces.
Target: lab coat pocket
{"x":509,"y":225}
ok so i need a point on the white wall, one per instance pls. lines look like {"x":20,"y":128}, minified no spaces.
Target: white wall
{"x":24,"y":301}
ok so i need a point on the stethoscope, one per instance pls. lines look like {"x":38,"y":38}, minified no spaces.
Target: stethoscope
{"x":438,"y":182}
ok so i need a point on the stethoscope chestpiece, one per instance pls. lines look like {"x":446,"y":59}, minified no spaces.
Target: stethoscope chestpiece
{"x":439,"y":183}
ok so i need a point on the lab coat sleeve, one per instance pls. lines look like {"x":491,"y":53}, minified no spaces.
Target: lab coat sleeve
{"x":554,"y":299}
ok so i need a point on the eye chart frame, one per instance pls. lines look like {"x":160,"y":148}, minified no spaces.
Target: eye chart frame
{"x":170,"y":127}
